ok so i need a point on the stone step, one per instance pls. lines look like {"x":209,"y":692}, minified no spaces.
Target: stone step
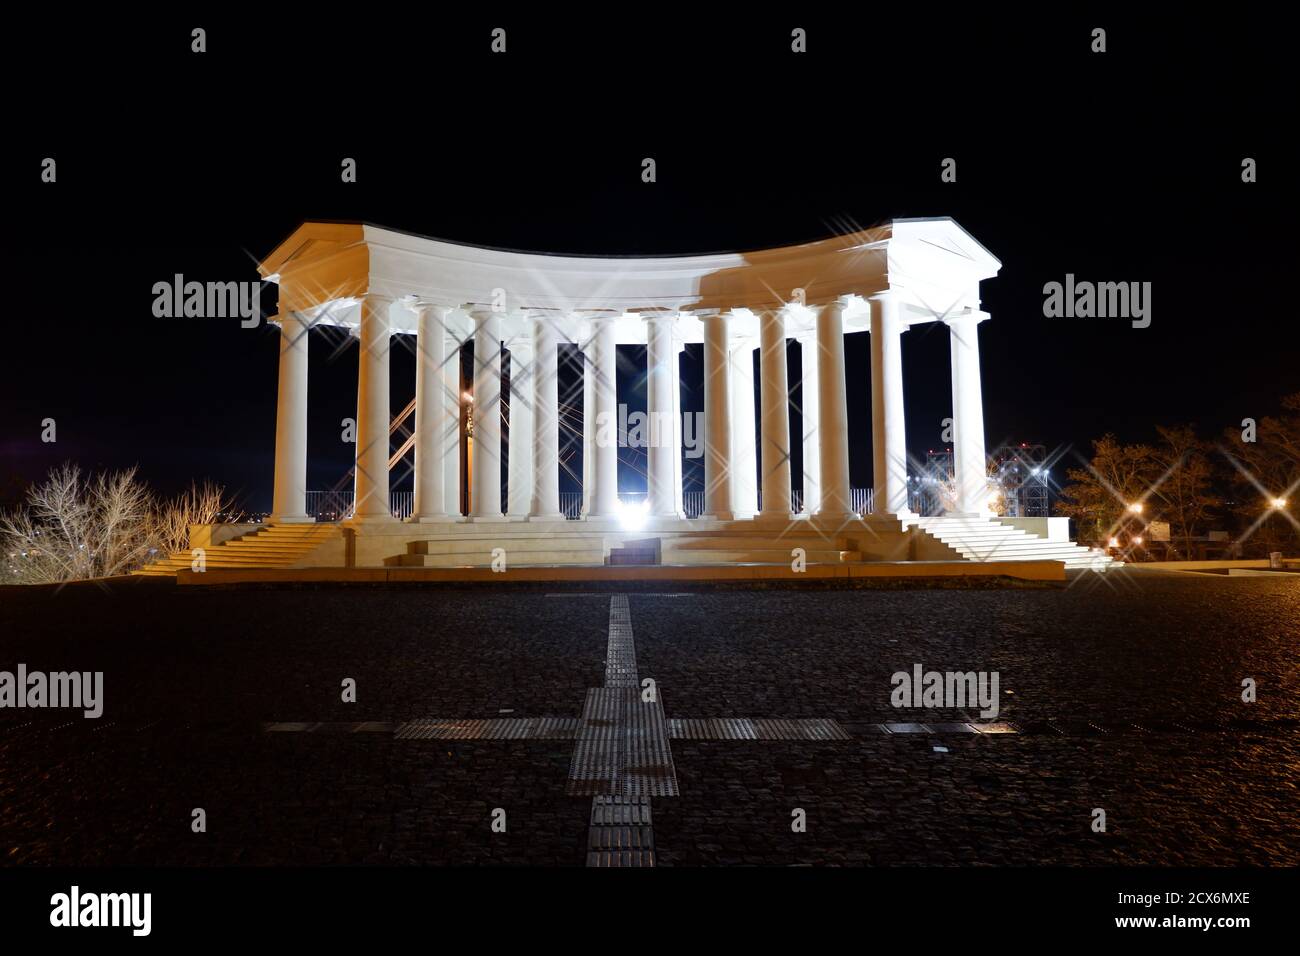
{"x":483,"y":559}
{"x":481,"y":543}
{"x":763,"y":542}
{"x":756,"y":556}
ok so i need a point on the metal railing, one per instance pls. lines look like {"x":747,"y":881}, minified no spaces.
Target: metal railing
{"x":337,"y":505}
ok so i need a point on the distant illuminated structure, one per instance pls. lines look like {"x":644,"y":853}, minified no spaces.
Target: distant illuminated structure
{"x":1025,"y":478}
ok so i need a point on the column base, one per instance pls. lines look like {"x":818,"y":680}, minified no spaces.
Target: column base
{"x":554,"y":516}
{"x":488,"y":519}
{"x":837,"y":516}
{"x":290,"y":519}
{"x":434,"y":519}
{"x":371,"y":520}
{"x":776,"y":517}
{"x":719,"y":516}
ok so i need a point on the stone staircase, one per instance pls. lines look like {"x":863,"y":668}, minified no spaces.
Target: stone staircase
{"x":273,"y":546}
{"x":756,"y":548}
{"x":978,"y":538}
{"x":476,"y":550}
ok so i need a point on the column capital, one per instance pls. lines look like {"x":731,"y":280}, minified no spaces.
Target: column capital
{"x":968,"y":317}
{"x":418,"y":305}
{"x":521,"y":345}
{"x":376,"y":298}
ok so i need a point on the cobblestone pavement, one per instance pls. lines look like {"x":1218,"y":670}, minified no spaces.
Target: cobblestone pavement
{"x":191,"y":675}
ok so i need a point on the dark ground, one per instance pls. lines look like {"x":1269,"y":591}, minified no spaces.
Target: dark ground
{"x":191,"y":673}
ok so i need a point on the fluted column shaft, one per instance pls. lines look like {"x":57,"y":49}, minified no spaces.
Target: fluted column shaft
{"x":373,"y":413}
{"x":832,"y":414}
{"x":744,"y":451}
{"x":775,"y":398}
{"x":661,"y":474}
{"x":449,"y":439}
{"x":604,"y":495}
{"x":717,"y":419}
{"x":523,"y":405}
{"x":485,"y":501}
{"x":810,"y":403}
{"x":289,"y":503}
{"x":546,"y":425}
{"x":430,"y":413}
{"x":888,"y":420}
{"x":969,"y":454}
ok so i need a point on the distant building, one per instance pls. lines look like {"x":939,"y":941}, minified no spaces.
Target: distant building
{"x":1025,"y":477}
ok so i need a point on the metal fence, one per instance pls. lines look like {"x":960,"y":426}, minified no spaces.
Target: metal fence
{"x":337,"y":505}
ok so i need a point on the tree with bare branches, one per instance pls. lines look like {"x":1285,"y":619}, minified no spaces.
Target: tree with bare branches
{"x":1263,"y":472}
{"x":1099,"y":494}
{"x":73,"y":528}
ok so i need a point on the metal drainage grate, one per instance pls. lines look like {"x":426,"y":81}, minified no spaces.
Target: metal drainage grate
{"x":620,"y":655}
{"x":329,"y":727}
{"x":648,"y":759}
{"x":496,"y":728}
{"x":743,"y":728}
{"x":621,"y":832}
{"x":597,"y":766}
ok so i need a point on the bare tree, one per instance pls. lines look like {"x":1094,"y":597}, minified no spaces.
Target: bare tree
{"x":1265,"y":470}
{"x":1185,"y":493}
{"x":72,"y":528}
{"x":1100,"y":492}
{"x":199,"y":504}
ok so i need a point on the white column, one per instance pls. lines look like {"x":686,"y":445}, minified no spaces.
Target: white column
{"x":679,"y":504}
{"x":588,"y":420}
{"x":450,"y":436}
{"x":832,"y":414}
{"x":373,"y":414}
{"x":888,"y":422}
{"x":523,"y":404}
{"x":969,"y":454}
{"x":485,"y":497}
{"x":545,"y":502}
{"x":664,"y":447}
{"x":430,"y":413}
{"x":810,"y":391}
{"x":289,"y":503}
{"x":717,"y":419}
{"x":604,"y":493}
{"x":744,"y":452}
{"x":775,"y":397}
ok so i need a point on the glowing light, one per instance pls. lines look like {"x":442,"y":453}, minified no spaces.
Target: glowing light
{"x":632,"y":516}
{"x":1136,"y":507}
{"x":1114,"y":542}
{"x":1137,"y":540}
{"x":1279,"y":503}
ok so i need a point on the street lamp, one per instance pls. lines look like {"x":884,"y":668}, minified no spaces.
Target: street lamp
{"x":1279,"y":503}
{"x":1136,"y":507}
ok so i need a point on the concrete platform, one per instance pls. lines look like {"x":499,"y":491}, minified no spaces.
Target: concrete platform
{"x":835,"y":575}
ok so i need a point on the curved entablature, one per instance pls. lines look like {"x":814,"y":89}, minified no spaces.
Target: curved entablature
{"x":325,"y":269}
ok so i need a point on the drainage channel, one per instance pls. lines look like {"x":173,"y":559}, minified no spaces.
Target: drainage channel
{"x":621,"y":755}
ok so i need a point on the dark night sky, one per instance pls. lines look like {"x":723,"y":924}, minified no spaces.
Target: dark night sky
{"x":1123,"y":166}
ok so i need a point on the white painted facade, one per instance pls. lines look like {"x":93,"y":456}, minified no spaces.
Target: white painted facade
{"x":878,"y":282}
